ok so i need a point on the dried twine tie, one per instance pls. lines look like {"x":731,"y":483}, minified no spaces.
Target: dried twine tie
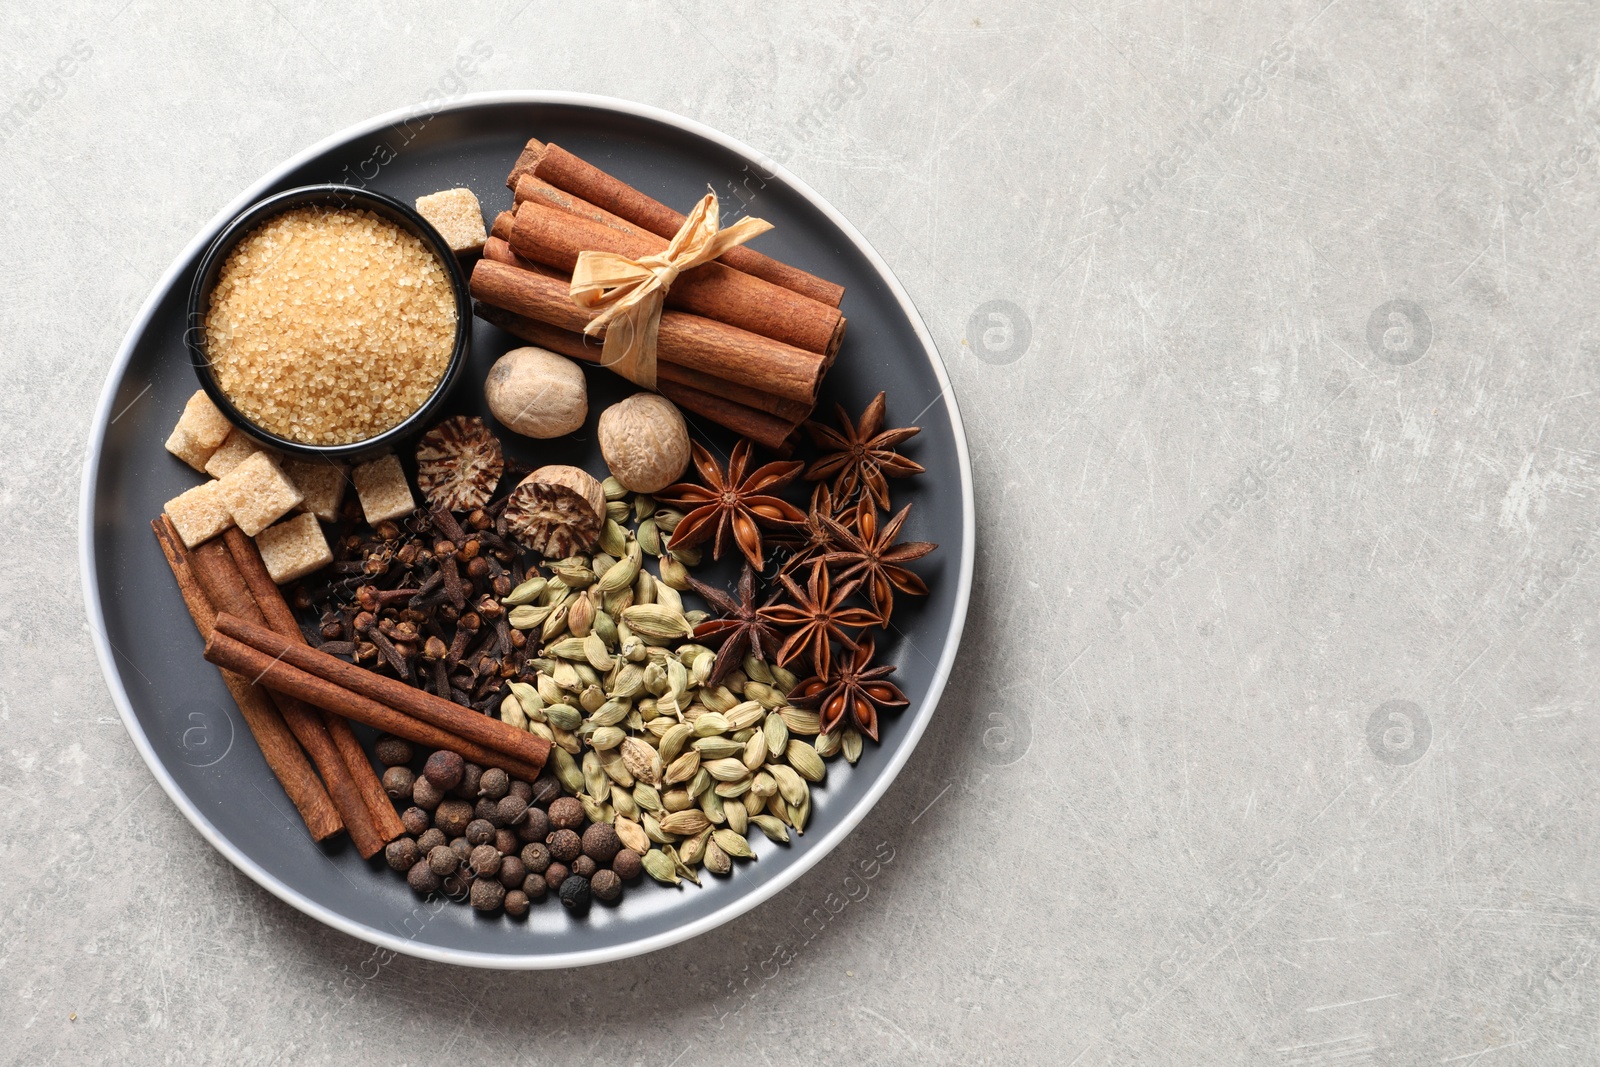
{"x":631,"y":291}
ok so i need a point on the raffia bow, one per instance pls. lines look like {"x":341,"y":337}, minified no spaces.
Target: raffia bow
{"x":631,"y":291}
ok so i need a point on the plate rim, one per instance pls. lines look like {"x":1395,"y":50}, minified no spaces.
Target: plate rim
{"x":106,"y":654}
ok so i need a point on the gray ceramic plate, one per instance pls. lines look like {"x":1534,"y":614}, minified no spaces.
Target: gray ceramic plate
{"x":174,"y":704}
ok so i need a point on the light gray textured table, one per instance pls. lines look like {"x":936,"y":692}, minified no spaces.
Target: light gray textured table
{"x":1272,"y":739}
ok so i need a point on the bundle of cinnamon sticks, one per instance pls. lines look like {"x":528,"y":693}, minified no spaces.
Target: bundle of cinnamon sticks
{"x":298,"y":702}
{"x":745,"y":340}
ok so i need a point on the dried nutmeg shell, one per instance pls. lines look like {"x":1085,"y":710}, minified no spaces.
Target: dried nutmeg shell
{"x":459,"y":463}
{"x":556,"y":511}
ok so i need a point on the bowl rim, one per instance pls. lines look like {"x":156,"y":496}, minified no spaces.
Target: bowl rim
{"x":245,"y":222}
{"x":820,"y":847}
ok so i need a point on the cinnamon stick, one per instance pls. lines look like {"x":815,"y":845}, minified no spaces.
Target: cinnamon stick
{"x":550,"y":235}
{"x":276,"y":674}
{"x":677,"y":384}
{"x":269,"y":598}
{"x":553,"y":164}
{"x":416,"y":703}
{"x":225,"y":587}
{"x":278,"y":746}
{"x":692,"y":341}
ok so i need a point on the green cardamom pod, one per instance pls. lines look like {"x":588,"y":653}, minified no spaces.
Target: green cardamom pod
{"x":613,"y":538}
{"x":567,"y":770}
{"x":717,"y":861}
{"x":674,"y":575}
{"x":658,"y":866}
{"x":528,"y":617}
{"x":511,"y":712}
{"x":738,"y":816}
{"x":772,"y":827}
{"x":828,"y":745}
{"x":733,"y":844}
{"x":800,"y":721}
{"x":852,"y":744}
{"x":526,"y":593}
{"x":805,"y":760}
{"x":645,"y":795}
{"x":713,"y":807}
{"x":606,"y":737}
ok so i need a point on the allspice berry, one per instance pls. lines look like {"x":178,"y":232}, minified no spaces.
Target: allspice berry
{"x":494,"y":783}
{"x":600,"y":843}
{"x":398,"y":782}
{"x":415,"y":820}
{"x":487,"y":894}
{"x":393,"y":751}
{"x":645,"y":442}
{"x":426,"y":795}
{"x":459,"y":846}
{"x":443,"y":860}
{"x":402,"y":854}
{"x":547,"y":789}
{"x":453,"y":816}
{"x":535,"y":825}
{"x":535,"y":857}
{"x":575,"y":893}
{"x":479,"y":832}
{"x":516,"y":903}
{"x":564,"y":845}
{"x":506,"y":842}
{"x":584,"y":867}
{"x":444,"y":769}
{"x":512,"y":872}
{"x":629,"y":865}
{"x":510,"y":809}
{"x":534,"y":885}
{"x":422,"y":879}
{"x":555,"y":874}
{"x":487,"y":810}
{"x":522,"y":789}
{"x":566,"y":813}
{"x":431,"y":839}
{"x":484,"y":861}
{"x":467,"y":788}
{"x":606,"y":885}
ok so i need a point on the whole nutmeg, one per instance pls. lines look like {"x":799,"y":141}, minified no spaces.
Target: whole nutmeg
{"x":566,"y":813}
{"x":645,"y":442}
{"x":537,"y":393}
{"x":444,"y":769}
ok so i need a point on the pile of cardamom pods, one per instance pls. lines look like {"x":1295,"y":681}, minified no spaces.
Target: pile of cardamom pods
{"x":680,"y":768}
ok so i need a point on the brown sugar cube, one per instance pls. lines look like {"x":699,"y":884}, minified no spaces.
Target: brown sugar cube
{"x":199,"y":514}
{"x":257,"y":493}
{"x":456,"y":214}
{"x":294,"y":548}
{"x":321,"y":483}
{"x":180,"y":444}
{"x":381,"y":485}
{"x":206,"y":426}
{"x":234,"y":451}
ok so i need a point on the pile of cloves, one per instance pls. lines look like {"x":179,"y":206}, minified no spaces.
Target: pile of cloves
{"x":419,"y":599}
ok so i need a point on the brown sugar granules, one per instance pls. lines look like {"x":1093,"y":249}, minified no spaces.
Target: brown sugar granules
{"x":330,"y":327}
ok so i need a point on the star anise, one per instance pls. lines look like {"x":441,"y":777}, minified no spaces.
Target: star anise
{"x":861,"y":454}
{"x":810,"y":538}
{"x":871,"y":555}
{"x":816,"y":615}
{"x":741,"y":628}
{"x":856,"y":689}
{"x":732,"y":502}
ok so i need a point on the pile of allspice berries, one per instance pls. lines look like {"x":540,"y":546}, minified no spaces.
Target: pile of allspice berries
{"x":482,"y":837}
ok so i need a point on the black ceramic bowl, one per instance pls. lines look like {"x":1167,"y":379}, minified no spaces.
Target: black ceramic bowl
{"x":333,"y":197}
